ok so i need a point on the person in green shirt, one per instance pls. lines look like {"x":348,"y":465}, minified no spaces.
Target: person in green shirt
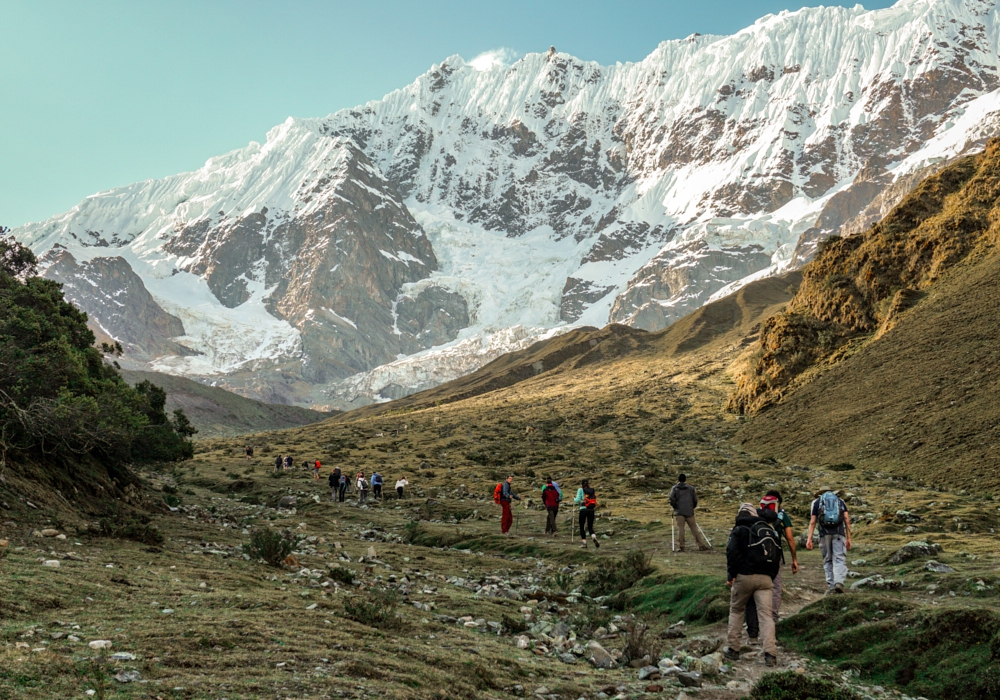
{"x":586,"y":498}
{"x":782,"y":522}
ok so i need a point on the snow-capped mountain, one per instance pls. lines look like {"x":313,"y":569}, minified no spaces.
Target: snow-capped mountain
{"x":396,"y":245}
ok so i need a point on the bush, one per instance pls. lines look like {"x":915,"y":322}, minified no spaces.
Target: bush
{"x":375,"y":607}
{"x":619,"y":574}
{"x":270,"y":546}
{"x":122,"y":525}
{"x":636,"y":643}
{"x":342,"y":575}
{"x":512,"y":625}
{"x":788,"y":685}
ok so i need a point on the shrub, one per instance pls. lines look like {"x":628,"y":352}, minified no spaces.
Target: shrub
{"x":636,"y":642}
{"x":619,"y":574}
{"x":342,"y":575}
{"x":122,"y":525}
{"x":270,"y":546}
{"x":788,"y":685}
{"x":375,"y":607}
{"x":512,"y":625}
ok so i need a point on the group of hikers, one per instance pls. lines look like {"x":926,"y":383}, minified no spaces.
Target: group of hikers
{"x":755,"y":552}
{"x":340,"y":484}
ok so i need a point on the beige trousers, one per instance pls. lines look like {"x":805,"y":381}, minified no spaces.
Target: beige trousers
{"x":760,"y":587}
{"x":695,"y":530}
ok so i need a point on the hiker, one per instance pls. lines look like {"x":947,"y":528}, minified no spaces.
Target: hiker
{"x":830,"y":512}
{"x":362,"y":487}
{"x":586,"y":498}
{"x":504,"y":494}
{"x":249,"y":451}
{"x":342,"y":488}
{"x":334,"y":483}
{"x":550,"y":499}
{"x":316,"y":467}
{"x":305,"y":465}
{"x":770,"y":510}
{"x":277,"y":463}
{"x":400,"y":485}
{"x":376,"y":485}
{"x":289,"y":462}
{"x":753,"y":555}
{"x":684,"y":500}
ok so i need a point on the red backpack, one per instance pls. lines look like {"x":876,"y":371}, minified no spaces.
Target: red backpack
{"x":590,"y":500}
{"x":496,"y":492}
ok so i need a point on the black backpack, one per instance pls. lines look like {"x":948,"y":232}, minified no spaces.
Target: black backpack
{"x":764,"y":549}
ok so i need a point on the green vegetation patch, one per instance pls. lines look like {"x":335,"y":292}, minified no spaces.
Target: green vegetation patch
{"x":789,"y":685}
{"x":935,"y":652}
{"x":689,"y":598}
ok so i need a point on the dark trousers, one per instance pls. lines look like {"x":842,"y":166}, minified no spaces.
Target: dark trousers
{"x":550,"y":521}
{"x":377,"y":490}
{"x":586,"y":519}
{"x":399,"y":493}
{"x":342,"y":491}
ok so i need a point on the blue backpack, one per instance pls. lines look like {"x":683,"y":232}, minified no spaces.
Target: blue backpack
{"x":829,"y":510}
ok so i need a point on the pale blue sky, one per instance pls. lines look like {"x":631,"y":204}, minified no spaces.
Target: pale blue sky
{"x":98,"y":94}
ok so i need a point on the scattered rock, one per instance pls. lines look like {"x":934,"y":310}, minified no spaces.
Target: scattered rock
{"x":701,"y":646}
{"x":287,"y":502}
{"x":938,"y":568}
{"x":655,"y":688}
{"x":649,"y":673}
{"x":567,"y":658}
{"x":913,"y":550}
{"x":128,"y":676}
{"x":877,"y":583}
{"x":122,"y":656}
{"x":371,"y":553}
{"x":541,"y":690}
{"x":53,"y":563}
{"x":709,"y":665}
{"x":100,"y":644}
{"x":523,"y":642}
{"x":905,"y":516}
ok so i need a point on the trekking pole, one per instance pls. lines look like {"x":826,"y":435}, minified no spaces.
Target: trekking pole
{"x":672,"y":535}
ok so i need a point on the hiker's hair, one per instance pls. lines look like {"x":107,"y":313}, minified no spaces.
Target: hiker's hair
{"x":682,"y":478}
{"x":509,"y":476}
{"x":548,"y":479}
{"x":775,"y":493}
{"x":585,"y":483}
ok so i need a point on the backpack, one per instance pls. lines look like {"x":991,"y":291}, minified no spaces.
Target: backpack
{"x":764,"y":549}
{"x":496,"y":493}
{"x":590,"y":499}
{"x":829,"y":510}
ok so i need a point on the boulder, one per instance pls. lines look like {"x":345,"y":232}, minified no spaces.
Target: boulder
{"x":690,"y":680}
{"x":598,"y":656}
{"x":938,"y":568}
{"x":287,"y":502}
{"x":709,"y":665}
{"x":567,"y":658}
{"x":49,"y":532}
{"x":100,"y":644}
{"x":913,"y":550}
{"x":700,"y":646}
{"x":877,"y":583}
{"x":649,"y":673}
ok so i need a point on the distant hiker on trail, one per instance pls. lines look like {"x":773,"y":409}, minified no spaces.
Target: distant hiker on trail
{"x":249,"y":451}
{"x":770,"y":510}
{"x":342,"y":490}
{"x":834,"y":537}
{"x":550,"y":499}
{"x":376,"y":485}
{"x":753,"y":556}
{"x":334,"y":483}
{"x":400,"y":485}
{"x":277,"y":463}
{"x":504,"y":494}
{"x":289,"y":462}
{"x":316,"y":467}
{"x":362,"y":488}
{"x":586,"y":498}
{"x":305,"y":465}
{"x":684,"y":500}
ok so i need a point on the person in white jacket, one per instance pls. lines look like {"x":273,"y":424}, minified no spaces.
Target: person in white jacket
{"x":400,"y":485}
{"x":362,"y":488}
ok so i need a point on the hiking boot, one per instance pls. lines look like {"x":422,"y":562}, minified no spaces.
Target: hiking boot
{"x":584,"y":544}
{"x":839,"y":588}
{"x":596,"y":543}
{"x":770,"y":660}
{"x":731,"y":654}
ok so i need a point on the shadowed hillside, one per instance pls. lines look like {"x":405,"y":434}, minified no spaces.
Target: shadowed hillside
{"x":217,"y":412}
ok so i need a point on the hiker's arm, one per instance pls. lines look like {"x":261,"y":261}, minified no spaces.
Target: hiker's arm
{"x":847,"y":528}
{"x":790,"y":536}
{"x":812,"y":526}
{"x":694,"y":498}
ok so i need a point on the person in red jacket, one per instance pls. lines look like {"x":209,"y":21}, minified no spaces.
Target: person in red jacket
{"x":550,"y":499}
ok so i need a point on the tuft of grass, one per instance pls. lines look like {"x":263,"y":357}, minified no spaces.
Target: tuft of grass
{"x":788,"y":685}
{"x":637,"y":642}
{"x":342,"y":575}
{"x":375,"y":607}
{"x":933,"y":652}
{"x":270,"y":546}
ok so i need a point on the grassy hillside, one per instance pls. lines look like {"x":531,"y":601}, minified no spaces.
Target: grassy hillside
{"x":214,"y":411}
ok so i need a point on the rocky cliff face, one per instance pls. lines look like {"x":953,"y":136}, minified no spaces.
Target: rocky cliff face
{"x":485,"y":197}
